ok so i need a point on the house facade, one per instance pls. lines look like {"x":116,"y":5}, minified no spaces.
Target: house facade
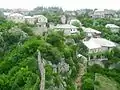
{"x":103,"y":13}
{"x":98,"y":45}
{"x":6,"y":14}
{"x":91,"y":32}
{"x":29,"y":20}
{"x":16,"y":17}
{"x":40,"y":20}
{"x":67,"y":28}
{"x":98,"y":14}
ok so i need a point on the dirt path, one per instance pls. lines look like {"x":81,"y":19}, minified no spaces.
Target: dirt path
{"x":80,"y":74}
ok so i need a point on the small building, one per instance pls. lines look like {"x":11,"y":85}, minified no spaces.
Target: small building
{"x":103,"y":13}
{"x":67,"y":28}
{"x":99,"y":45}
{"x":91,"y":32}
{"x":16,"y":17}
{"x":6,"y":14}
{"x":70,"y":13}
{"x":104,"y":43}
{"x":114,"y":28}
{"x":29,"y":20}
{"x":92,"y":46}
{"x":40,"y":20}
{"x":98,"y":14}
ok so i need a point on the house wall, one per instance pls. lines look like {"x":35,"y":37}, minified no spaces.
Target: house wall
{"x":17,"y":19}
{"x":94,"y":50}
{"x":40,"y":19}
{"x":30,"y":20}
{"x":70,"y":31}
{"x":91,"y":34}
{"x":42,"y":24}
{"x":102,"y":49}
{"x":67,"y":31}
{"x":114,"y":30}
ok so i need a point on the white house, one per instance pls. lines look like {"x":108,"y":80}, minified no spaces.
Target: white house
{"x":114,"y":28}
{"x":67,"y":28}
{"x":40,"y":20}
{"x":91,"y":32}
{"x":98,"y":14}
{"x":104,"y":13}
{"x":16,"y":17}
{"x":95,"y":45}
{"x":29,"y":19}
{"x":6,"y":14}
{"x":92,"y":46}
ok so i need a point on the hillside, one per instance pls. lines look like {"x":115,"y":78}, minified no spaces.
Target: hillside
{"x":105,"y":83}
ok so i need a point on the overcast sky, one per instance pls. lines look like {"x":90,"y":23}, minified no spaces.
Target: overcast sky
{"x":65,"y":4}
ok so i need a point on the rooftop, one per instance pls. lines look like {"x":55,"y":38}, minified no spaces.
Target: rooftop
{"x":28,"y":17}
{"x":98,"y":43}
{"x":91,"y":44}
{"x":112,"y":26}
{"x":90,"y":30}
{"x":103,"y":42}
{"x":16,"y":14}
{"x":64,"y":26}
{"x":6,"y":13}
{"x":37,"y":16}
{"x":99,"y":10}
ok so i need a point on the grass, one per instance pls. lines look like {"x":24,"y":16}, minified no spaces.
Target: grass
{"x":105,"y":83}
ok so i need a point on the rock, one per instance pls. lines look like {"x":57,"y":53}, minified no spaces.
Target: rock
{"x":63,"y":67}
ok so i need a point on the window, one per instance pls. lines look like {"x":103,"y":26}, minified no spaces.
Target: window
{"x":39,"y":25}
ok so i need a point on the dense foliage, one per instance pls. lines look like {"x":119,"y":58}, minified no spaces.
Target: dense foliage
{"x":18,"y":59}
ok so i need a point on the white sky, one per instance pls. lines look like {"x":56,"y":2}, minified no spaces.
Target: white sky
{"x":65,"y":4}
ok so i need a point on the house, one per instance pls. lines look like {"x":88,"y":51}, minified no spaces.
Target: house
{"x":92,"y":46}
{"x":98,"y":14}
{"x":70,"y":13}
{"x":91,"y":32}
{"x":109,"y":13}
{"x":40,"y":20}
{"x":83,"y":11}
{"x":6,"y":14}
{"x":29,"y":20}
{"x":16,"y":17}
{"x":103,"y":13}
{"x":95,"y":45}
{"x":67,"y":28}
{"x":114,"y":28}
